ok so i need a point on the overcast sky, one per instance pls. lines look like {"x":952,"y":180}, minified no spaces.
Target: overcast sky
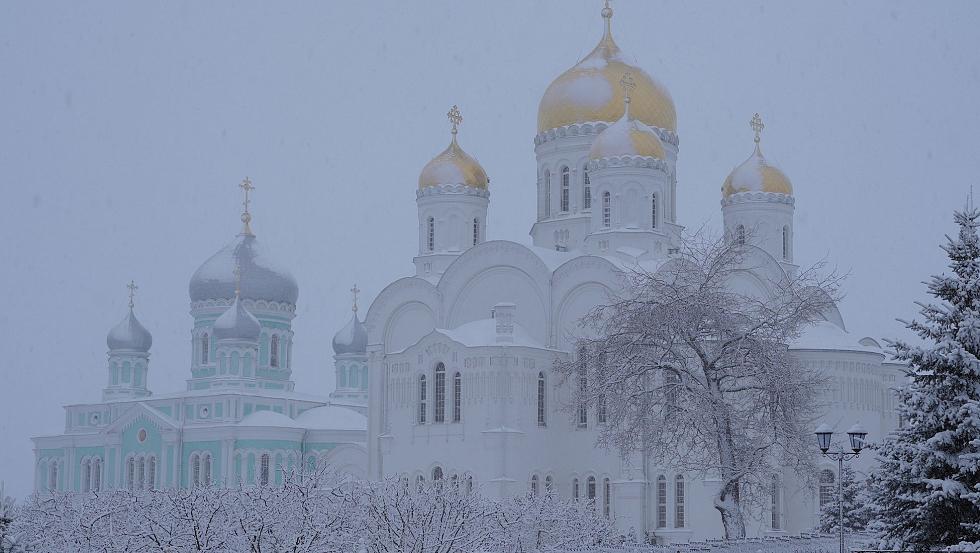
{"x":126,"y":127}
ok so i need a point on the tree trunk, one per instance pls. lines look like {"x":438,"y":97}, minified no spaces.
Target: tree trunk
{"x":727,"y":503}
{"x":727,"y":500}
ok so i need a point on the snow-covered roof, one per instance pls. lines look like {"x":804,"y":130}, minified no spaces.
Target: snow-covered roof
{"x":269,"y":418}
{"x":352,"y":338}
{"x":237,"y":324}
{"x":483,"y":332}
{"x":332,"y":417}
{"x":129,"y":334}
{"x":828,"y":336}
{"x":261,"y":277}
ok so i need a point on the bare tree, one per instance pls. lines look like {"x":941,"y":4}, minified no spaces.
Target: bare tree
{"x":690,"y":368}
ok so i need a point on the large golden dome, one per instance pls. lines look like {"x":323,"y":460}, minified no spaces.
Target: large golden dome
{"x":453,"y":165}
{"x":756,"y":174}
{"x":590,"y":91}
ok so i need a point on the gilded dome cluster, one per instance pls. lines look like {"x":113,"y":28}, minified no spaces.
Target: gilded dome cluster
{"x":756,"y":174}
{"x":590,"y":91}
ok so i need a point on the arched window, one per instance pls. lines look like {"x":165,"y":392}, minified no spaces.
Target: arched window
{"x":600,"y":410}
{"x":606,"y":497}
{"x":653,"y":211}
{"x":53,"y":476}
{"x":547,"y":193}
{"x":440,"y":393}
{"x":661,"y":501}
{"x":534,"y":484}
{"x":549,"y":484}
{"x":457,"y":397}
{"x":437,"y":474}
{"x":205,"y":346}
{"x":740,"y":235}
{"x":542,"y":420}
{"x":264,"y":469}
{"x":131,"y":473}
{"x":786,"y":243}
{"x":140,"y":473}
{"x":420,"y":483}
{"x":86,"y":475}
{"x":679,"y":501}
{"x":469,"y":483}
{"x":565,"y":182}
{"x":575,"y":489}
{"x":583,"y":390}
{"x":206,"y":469}
{"x":196,"y":469}
{"x":97,"y":474}
{"x":476,"y":231}
{"x":606,"y":210}
{"x":672,"y":381}
{"x":151,"y":473}
{"x":430,"y":234}
{"x":422,"y":392}
{"x":274,"y":351}
{"x":590,"y":490}
{"x":776,"y":508}
{"x":586,"y":189}
{"x":827,"y":479}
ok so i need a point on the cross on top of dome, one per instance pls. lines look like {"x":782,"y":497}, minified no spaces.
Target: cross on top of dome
{"x":246,"y":186}
{"x":355,"y":290}
{"x":132,"y":293}
{"x":628,"y":85}
{"x":757,"y":126}
{"x":455,"y":117}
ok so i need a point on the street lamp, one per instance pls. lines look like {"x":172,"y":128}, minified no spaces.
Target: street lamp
{"x":857,"y":435}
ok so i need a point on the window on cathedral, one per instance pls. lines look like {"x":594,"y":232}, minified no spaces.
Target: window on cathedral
{"x":565,"y":184}
{"x":440,"y":392}
{"x":590,"y":491}
{"x":437,"y":474}
{"x":606,"y":210}
{"x":575,"y":490}
{"x":430,"y":232}
{"x":86,"y":475}
{"x":776,"y":509}
{"x":469,"y":483}
{"x":600,"y":414}
{"x":476,"y":231}
{"x":826,"y":487}
{"x":131,"y":473}
{"x":151,"y":473}
{"x":420,"y":483}
{"x":205,"y":345}
{"x":274,"y":351}
{"x":653,"y":211}
{"x":195,"y":469}
{"x":586,"y":189}
{"x":206,"y":469}
{"x":53,"y":476}
{"x":140,"y":472}
{"x":264,"y":469}
{"x":740,"y":235}
{"x":457,"y":397}
{"x":661,"y":501}
{"x":542,"y":421}
{"x":422,"y":391}
{"x":679,"y":501}
{"x":549,"y":484}
{"x":96,"y":474}
{"x":534,"y":484}
{"x":583,"y":390}
{"x":547,"y":193}
{"x":606,"y":497}
{"x":786,"y":243}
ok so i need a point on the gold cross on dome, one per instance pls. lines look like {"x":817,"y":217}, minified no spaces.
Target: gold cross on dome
{"x":246,"y":186}
{"x":628,"y":84}
{"x":757,"y":126}
{"x":132,"y":292}
{"x":455,"y":117}
{"x":355,"y":290}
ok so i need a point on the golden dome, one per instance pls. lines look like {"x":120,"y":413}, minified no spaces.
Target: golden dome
{"x":627,"y":137}
{"x":453,"y":165}
{"x":590,"y":91}
{"x":756,"y":174}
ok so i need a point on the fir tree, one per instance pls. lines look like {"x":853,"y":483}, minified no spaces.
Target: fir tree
{"x":926,"y":492}
{"x":855,"y":498}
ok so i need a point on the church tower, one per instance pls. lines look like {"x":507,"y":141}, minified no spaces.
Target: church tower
{"x":577,"y":106}
{"x":129,"y":356}
{"x":452,"y":198}
{"x":350,"y":363}
{"x":757,"y":203}
{"x":236,"y":344}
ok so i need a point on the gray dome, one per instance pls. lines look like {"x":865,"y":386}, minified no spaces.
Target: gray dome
{"x":237,"y":324}
{"x":262,"y":279}
{"x":352,"y":338}
{"x":129,"y":334}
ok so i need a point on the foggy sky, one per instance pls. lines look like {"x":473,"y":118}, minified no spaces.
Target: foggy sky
{"x":125,"y":128}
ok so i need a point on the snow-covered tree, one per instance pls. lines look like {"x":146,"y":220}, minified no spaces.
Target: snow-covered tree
{"x":690,"y":364}
{"x":855,"y":494}
{"x":926,"y":492}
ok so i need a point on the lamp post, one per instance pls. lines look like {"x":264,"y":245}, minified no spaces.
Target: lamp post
{"x":857,"y":434}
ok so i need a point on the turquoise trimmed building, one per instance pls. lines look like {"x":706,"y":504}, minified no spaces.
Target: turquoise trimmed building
{"x":240,"y":419}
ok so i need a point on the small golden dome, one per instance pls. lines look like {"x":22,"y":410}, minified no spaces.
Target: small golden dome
{"x":756,"y":174}
{"x":453,"y":165}
{"x":627,"y":137}
{"x":589,"y":91}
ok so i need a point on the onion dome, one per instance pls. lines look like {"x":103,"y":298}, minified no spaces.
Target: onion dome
{"x":627,"y":137}
{"x":353,"y":337}
{"x":590,"y":90}
{"x":237,"y":324}
{"x":756,"y":174}
{"x":453,"y":165}
{"x":129,"y":334}
{"x":262,"y":278}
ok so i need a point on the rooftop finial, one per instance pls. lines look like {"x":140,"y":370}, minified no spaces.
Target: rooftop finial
{"x":757,"y":126}
{"x":628,"y":85}
{"x":355,"y":290}
{"x":238,"y":279}
{"x":132,"y":293}
{"x":607,"y":14}
{"x":246,"y":186}
{"x":455,"y":118}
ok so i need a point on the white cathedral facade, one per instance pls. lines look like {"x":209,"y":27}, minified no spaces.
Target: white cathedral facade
{"x":450,"y":374}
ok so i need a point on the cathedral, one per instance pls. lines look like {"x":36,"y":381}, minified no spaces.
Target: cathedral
{"x":449,"y":376}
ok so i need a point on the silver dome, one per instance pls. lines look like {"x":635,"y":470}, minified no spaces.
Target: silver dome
{"x":130,"y":335}
{"x":237,"y":324}
{"x":352,"y":338}
{"x":262,"y":279}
